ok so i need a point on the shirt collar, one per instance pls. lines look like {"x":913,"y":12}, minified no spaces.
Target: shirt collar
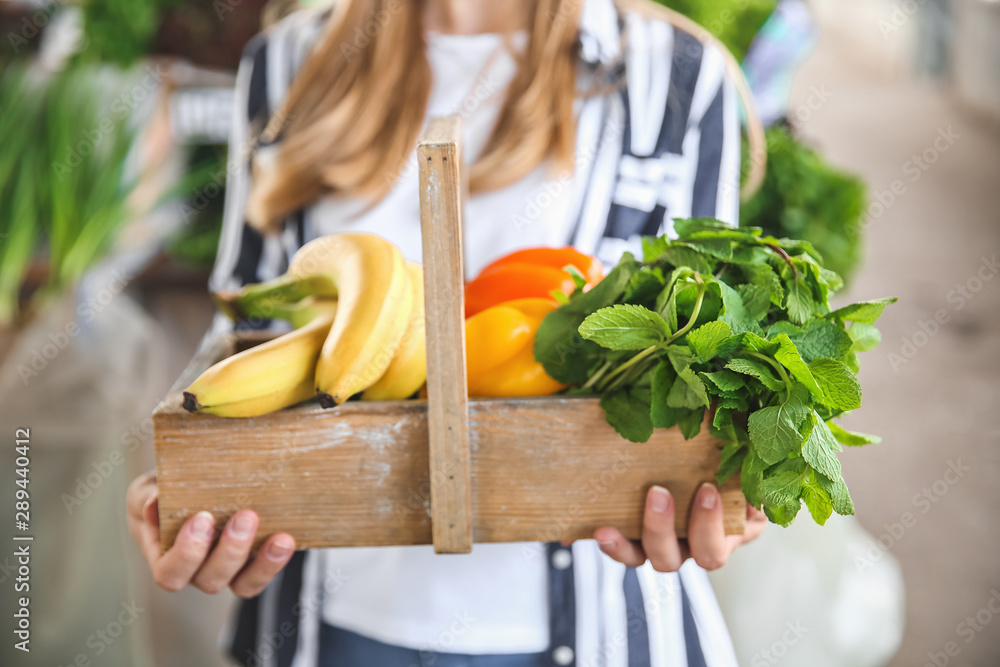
{"x":600,"y":34}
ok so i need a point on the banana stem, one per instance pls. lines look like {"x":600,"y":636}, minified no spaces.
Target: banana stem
{"x":265,"y":300}
{"x":284,"y":289}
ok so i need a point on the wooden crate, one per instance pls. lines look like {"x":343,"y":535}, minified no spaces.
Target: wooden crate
{"x":447,"y":471}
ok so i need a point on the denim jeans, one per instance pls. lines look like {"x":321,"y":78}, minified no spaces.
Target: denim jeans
{"x":342,"y":648}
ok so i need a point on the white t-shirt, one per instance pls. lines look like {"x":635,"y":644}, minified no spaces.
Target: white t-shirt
{"x":409,"y":596}
{"x":470,"y":74}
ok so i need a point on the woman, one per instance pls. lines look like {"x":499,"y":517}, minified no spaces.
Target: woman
{"x":583,"y":123}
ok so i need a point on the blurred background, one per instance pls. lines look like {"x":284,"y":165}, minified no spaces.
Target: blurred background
{"x":884,"y":151}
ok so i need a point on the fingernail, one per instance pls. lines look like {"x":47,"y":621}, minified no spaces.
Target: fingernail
{"x":280,"y":549}
{"x":659,"y":499}
{"x":242,"y":525}
{"x":707,"y":496}
{"x":203,"y":527}
{"x":607,"y":544}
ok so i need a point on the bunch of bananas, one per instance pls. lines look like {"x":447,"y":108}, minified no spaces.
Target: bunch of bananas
{"x":357,"y":306}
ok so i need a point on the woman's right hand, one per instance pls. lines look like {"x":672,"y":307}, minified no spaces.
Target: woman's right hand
{"x":192,"y":559}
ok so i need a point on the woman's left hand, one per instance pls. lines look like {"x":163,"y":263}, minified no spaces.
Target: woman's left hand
{"x":707,"y":541}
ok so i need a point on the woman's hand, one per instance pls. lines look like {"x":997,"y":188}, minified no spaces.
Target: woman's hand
{"x":707,"y":541}
{"x":192,"y":560}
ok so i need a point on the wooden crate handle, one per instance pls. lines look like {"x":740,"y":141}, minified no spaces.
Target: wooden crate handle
{"x":441,"y":196}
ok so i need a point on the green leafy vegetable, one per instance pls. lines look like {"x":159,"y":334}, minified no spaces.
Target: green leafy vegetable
{"x":733,"y":329}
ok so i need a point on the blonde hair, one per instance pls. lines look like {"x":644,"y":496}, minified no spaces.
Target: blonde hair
{"x":353,"y":113}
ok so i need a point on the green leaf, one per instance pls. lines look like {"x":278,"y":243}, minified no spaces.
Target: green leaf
{"x":666,"y":302}
{"x":662,"y":415}
{"x":625,"y":327}
{"x":774,"y":433}
{"x":783,"y":485}
{"x":705,"y":340}
{"x":757,"y":369}
{"x":784,"y":327}
{"x":763,"y":276}
{"x":839,"y":495}
{"x":783,"y":515}
{"x":750,"y":479}
{"x":681,"y":255}
{"x":756,"y":300}
{"x":726,"y":380}
{"x":690,"y":423}
{"x":839,"y":386}
{"x":688,"y":391}
{"x":797,"y":404}
{"x":819,"y":447}
{"x":653,"y":247}
{"x":820,"y":338}
{"x":851,"y":438}
{"x":721,"y":249}
{"x":578,"y":279}
{"x":800,"y":303}
{"x":863,"y":311}
{"x":734,"y":313}
{"x":628,"y":413}
{"x":731,"y":460}
{"x":644,"y":286}
{"x":865,"y":337}
{"x":788,"y":356}
{"x":818,"y":501}
{"x":686,"y":227}
{"x":752,"y":341}
{"x":563,"y":353}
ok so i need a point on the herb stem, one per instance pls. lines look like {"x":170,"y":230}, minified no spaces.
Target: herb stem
{"x":630,"y":363}
{"x":784,"y":256}
{"x":597,"y":376}
{"x":778,"y":367}
{"x":694,"y":316}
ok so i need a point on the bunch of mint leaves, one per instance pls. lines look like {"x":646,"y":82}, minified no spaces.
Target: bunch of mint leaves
{"x":733,"y":323}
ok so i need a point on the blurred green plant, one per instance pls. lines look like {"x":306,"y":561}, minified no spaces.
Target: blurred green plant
{"x":63,"y":179}
{"x":805,"y":197}
{"x":196,"y":243}
{"x":735,"y":22}
{"x":120,"y":31}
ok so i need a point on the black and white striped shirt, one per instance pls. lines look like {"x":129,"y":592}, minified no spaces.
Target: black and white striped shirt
{"x":661,"y":143}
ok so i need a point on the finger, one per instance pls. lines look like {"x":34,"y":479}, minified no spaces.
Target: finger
{"x":147,"y":532}
{"x":271,"y":557}
{"x":659,"y":539}
{"x":614,"y":544}
{"x":139,"y":490}
{"x":755,"y":525}
{"x":706,"y":535}
{"x":142,"y":515}
{"x":174,"y":570}
{"x":229,"y":555}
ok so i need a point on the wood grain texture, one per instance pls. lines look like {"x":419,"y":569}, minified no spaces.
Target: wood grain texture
{"x":444,"y":301}
{"x":359,"y":475}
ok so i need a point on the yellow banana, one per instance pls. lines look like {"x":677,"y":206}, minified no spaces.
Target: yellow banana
{"x":374,"y":305}
{"x":408,"y":369}
{"x":268,"y":377}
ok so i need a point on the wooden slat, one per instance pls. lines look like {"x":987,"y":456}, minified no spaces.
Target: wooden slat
{"x":447,"y":416}
{"x":542,"y":469}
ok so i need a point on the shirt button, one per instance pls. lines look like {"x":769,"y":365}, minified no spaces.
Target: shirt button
{"x":561,"y":559}
{"x":563,"y":655}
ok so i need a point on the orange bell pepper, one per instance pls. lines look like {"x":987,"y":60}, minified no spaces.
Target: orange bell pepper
{"x":556,"y":258}
{"x":529,"y":273}
{"x":500,"y":358}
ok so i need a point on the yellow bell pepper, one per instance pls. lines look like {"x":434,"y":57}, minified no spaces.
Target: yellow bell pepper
{"x":500,"y":358}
